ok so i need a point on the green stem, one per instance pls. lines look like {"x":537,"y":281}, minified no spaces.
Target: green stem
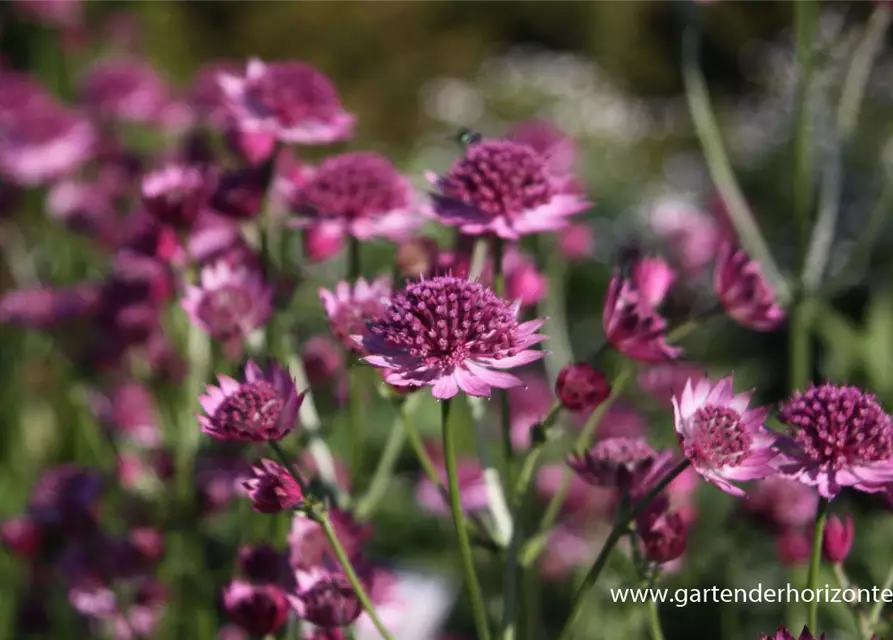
{"x":617,"y":532}
{"x":654,"y":621}
{"x":800,"y":344}
{"x":860,"y":69}
{"x":351,"y":574}
{"x":353,"y":259}
{"x":383,"y":472}
{"x":875,"y":615}
{"x":471,"y":579}
{"x":552,"y":306}
{"x":720,"y":168}
{"x":815,"y":560}
{"x":804,"y":26}
{"x":498,"y":276}
{"x":354,"y":410}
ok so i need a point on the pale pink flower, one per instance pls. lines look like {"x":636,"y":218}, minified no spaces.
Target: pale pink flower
{"x":176,"y":194}
{"x":451,"y":334}
{"x":667,"y":379}
{"x":523,"y":281}
{"x":290,"y":99}
{"x":577,"y":241}
{"x":410,"y":605}
{"x":690,"y":235}
{"x":782,"y":502}
{"x":349,"y":307}
{"x":724,"y":440}
{"x":472,"y":487}
{"x":125,"y":89}
{"x":744,"y":291}
{"x":502,"y":187}
{"x":630,"y":317}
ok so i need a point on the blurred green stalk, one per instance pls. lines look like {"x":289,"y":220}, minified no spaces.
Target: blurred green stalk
{"x":384,"y":472}
{"x":821,"y":516}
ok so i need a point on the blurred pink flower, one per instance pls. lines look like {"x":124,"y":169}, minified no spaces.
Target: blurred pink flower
{"x":239,"y":194}
{"x":663,"y":535}
{"x":66,"y":496}
{"x":218,"y":478}
{"x":273,"y":489}
{"x":45,"y":307}
{"x":793,"y":546}
{"x":581,"y":497}
{"x":690,"y":235}
{"x":128,"y":409}
{"x":309,"y":547}
{"x":576,"y":241}
{"x":782,"y":502}
{"x":85,"y":207}
{"x":52,"y":13}
{"x":357,"y":194}
{"x":502,"y":187}
{"x":322,"y":360}
{"x":22,"y":536}
{"x":581,"y":387}
{"x":261,"y":408}
{"x":290,"y":99}
{"x":618,"y":463}
{"x":451,"y":334}
{"x":667,"y":379}
{"x":262,"y":563}
{"x":125,"y":89}
{"x":744,"y":292}
{"x":258,"y":609}
{"x":410,"y":605}
{"x":724,"y":440}
{"x":630,"y":317}
{"x":528,"y":404}
{"x":254,"y":147}
{"x":207,"y":96}
{"x":838,"y":538}
{"x":523,"y":281}
{"x":323,"y":595}
{"x":349,"y":307}
{"x":176,"y":194}
{"x":558,"y":150}
{"x":472,"y":487}
{"x":573,"y":543}
{"x":840,"y":436}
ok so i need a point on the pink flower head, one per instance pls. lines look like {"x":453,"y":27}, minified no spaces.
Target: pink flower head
{"x":309,"y":547}
{"x":630,"y":318}
{"x":122,"y":89}
{"x":261,"y":408}
{"x":451,"y":334}
{"x":618,"y":463}
{"x":129,"y":410}
{"x":691,"y":236}
{"x":43,"y":143}
{"x":231,"y":303}
{"x":324,"y":597}
{"x":176,"y":194}
{"x":290,"y":99}
{"x":841,"y":437}
{"x":667,"y":379}
{"x":782,"y":502}
{"x":273,"y":489}
{"x":52,"y":13}
{"x":783,"y":633}
{"x":205,"y":93}
{"x":239,"y":194}
{"x":744,"y":292}
{"x":349,"y":307}
{"x":523,"y":281}
{"x":472,"y":487}
{"x":45,"y":307}
{"x":576,"y":241}
{"x":259,"y":609}
{"x":357,"y":194}
{"x":838,"y":538}
{"x":410,"y":605}
{"x":219,"y":479}
{"x":663,"y":535}
{"x":502,"y":187}
{"x":22,"y":536}
{"x":580,"y":387}
{"x":724,"y":440}
{"x":558,"y":150}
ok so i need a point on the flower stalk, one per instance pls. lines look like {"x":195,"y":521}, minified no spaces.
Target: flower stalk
{"x":815,"y":561}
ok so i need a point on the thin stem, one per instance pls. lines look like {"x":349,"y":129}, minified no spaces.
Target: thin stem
{"x":617,"y":532}
{"x":354,"y":410}
{"x":498,"y":276}
{"x":497,"y":502}
{"x":815,"y":560}
{"x":875,"y":615}
{"x":552,"y":306}
{"x":800,"y":344}
{"x":384,"y":472}
{"x":353,"y":259}
{"x":654,"y":620}
{"x":860,"y":69}
{"x":720,"y":168}
{"x":804,"y":25}
{"x":351,"y":574}
{"x":471,"y":579}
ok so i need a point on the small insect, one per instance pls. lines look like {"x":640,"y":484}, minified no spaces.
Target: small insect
{"x":467,"y":137}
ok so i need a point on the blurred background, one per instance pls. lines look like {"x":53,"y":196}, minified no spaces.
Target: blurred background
{"x":608,"y":75}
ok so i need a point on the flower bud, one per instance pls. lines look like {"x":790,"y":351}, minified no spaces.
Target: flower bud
{"x":581,"y":387}
{"x":837,"y":539}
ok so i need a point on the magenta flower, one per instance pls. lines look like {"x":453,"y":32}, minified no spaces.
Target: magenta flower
{"x":231,"y":303}
{"x":410,"y":605}
{"x":273,"y":489}
{"x":263,"y":563}
{"x":324,"y":597}
{"x":240,"y":194}
{"x":122,"y":89}
{"x":663,"y":535}
{"x":22,"y":536}
{"x":349,"y":307}
{"x":576,"y":241}
{"x":262,"y":408}
{"x":44,"y":142}
{"x":290,"y":99}
{"x":129,"y":410}
{"x":66,"y":496}
{"x":692,"y":236}
{"x":724,"y":440}
{"x":784,"y":634}
{"x":580,"y":387}
{"x":558,"y":150}
{"x":523,"y":281}
{"x":259,"y":609}
{"x":838,"y":538}
{"x":840,"y":437}
{"x":744,"y":292}
{"x":309,"y":547}
{"x":618,"y":463}
{"x":451,"y":334}
{"x":630,"y":318}
{"x":176,"y":194}
{"x":357,"y":194}
{"x":782,"y":502}
{"x":45,"y":307}
{"x":667,"y":379}
{"x":471,"y":484}
{"x":206,"y":96}
{"x":502,"y":187}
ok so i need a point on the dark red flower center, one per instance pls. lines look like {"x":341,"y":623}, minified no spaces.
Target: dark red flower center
{"x":293,"y":92}
{"x":254,"y":408}
{"x":717,"y":439}
{"x":499,"y":178}
{"x":225,"y":309}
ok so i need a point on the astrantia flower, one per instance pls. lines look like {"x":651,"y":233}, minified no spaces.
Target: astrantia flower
{"x":617,"y":463}
{"x":175,"y":194}
{"x":262,"y":408}
{"x":841,"y":437}
{"x":784,"y":634}
{"x":309,"y":547}
{"x":273,"y":489}
{"x":662,"y":534}
{"x":473,"y":488}
{"x":230,"y":303}
{"x":782,"y":502}
{"x":690,"y":235}
{"x":324,"y":597}
{"x":359,"y":194}
{"x":724,"y":440}
{"x":630,"y":317}
{"x":259,"y":609}
{"x":837,"y":539}
{"x":451,"y":334}
{"x":410,"y":605}
{"x":557,"y":149}
{"x":744,"y":292}
{"x":291,"y":99}
{"x":125,"y":89}
{"x":502,"y":187}
{"x":349,"y":307}
{"x":581,"y":386}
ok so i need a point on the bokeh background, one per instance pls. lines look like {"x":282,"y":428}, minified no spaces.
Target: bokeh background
{"x":608,"y":74}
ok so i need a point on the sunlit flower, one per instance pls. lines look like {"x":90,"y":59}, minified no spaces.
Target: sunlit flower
{"x":263,"y":407}
{"x":840,"y":437}
{"x":259,"y":609}
{"x":451,"y":334}
{"x":349,"y":307}
{"x":724,"y":440}
{"x":290,"y":99}
{"x":744,"y":292}
{"x":502,"y":187}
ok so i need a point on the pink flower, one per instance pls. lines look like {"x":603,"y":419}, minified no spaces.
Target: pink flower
{"x":53,"y":13}
{"x":324,"y":597}
{"x":273,"y":489}
{"x":207,"y":96}
{"x":175,"y":194}
{"x":66,"y":496}
{"x":43,"y":143}
{"x":309,"y":547}
{"x":219,"y":480}
{"x":783,"y":633}
{"x":663,"y":535}
{"x":502,"y":187}
{"x":744,"y":292}
{"x":724,"y":440}
{"x":258,"y":609}
{"x":262,"y":563}
{"x":558,"y":150}
{"x":840,"y":436}
{"x":231,"y":303}
{"x":782,"y":502}
{"x":576,"y":241}
{"x":580,"y":387}
{"x":451,"y":334}
{"x":691,"y":236}
{"x":129,"y":410}
{"x":793,"y":546}
{"x":630,"y":318}
{"x":22,"y":536}
{"x":357,"y":194}
{"x":838,"y":538}
{"x":255,"y":147}
{"x":45,"y":307}
{"x":472,"y":487}
{"x":322,"y":360}
{"x":618,"y":463}
{"x":523,"y":281}
{"x":410,"y":605}
{"x":349,"y":307}
{"x":667,"y":379}
{"x":239,"y":194}
{"x":290,"y":99}
{"x":573,"y":543}
{"x":528,"y":404}
{"x":123,"y":89}
{"x":262,"y":408}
